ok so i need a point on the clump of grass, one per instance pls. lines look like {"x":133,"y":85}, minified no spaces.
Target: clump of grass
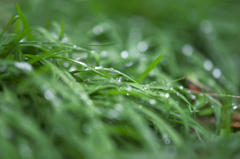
{"x":59,"y":99}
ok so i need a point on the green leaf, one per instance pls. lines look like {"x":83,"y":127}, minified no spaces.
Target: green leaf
{"x":145,"y":73}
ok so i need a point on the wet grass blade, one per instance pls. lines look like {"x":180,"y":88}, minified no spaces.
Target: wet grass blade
{"x":145,"y":73}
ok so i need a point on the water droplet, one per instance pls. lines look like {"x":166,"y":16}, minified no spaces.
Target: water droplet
{"x":140,"y":106}
{"x":103,"y":54}
{"x":129,"y":64}
{"x":74,"y":46}
{"x":127,"y":94}
{"x":171,"y":88}
{"x":118,"y":107}
{"x":120,"y":79}
{"x":212,"y":106}
{"x":111,"y":69}
{"x":177,"y":93}
{"x":97,"y":30}
{"x":167,"y":141}
{"x":23,"y":65}
{"x":206,"y":26}
{"x":187,"y":50}
{"x":144,"y":88}
{"x":124,"y":54}
{"x":64,"y":40}
{"x":98,"y":67}
{"x":86,"y":129}
{"x":129,"y":88}
{"x":235,"y":107}
{"x":142,"y":46}
{"x":25,"y":151}
{"x":66,"y":64}
{"x":152,"y":101}
{"x":216,"y":73}
{"x":49,"y":95}
{"x":83,"y":96}
{"x":167,"y":95}
{"x":180,"y":87}
{"x":89,"y":102}
{"x":73,"y":68}
{"x":193,"y":97}
{"x":208,"y":65}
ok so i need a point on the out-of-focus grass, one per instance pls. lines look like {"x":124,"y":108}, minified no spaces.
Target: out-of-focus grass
{"x":75,"y":80}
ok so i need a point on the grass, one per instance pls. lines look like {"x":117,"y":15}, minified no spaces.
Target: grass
{"x":119,"y":86}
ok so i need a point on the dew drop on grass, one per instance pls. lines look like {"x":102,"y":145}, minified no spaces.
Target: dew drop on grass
{"x":111,"y":69}
{"x":142,"y":46}
{"x":64,"y":40}
{"x":177,"y":93}
{"x":129,"y":88}
{"x":235,"y":106}
{"x":193,"y":97}
{"x":206,"y":26}
{"x":119,"y":79}
{"x":167,"y":141}
{"x":140,"y":106}
{"x":103,"y":54}
{"x":98,"y":67}
{"x":89,"y":102}
{"x":86,"y":129}
{"x":152,"y":101}
{"x":118,"y":107}
{"x":180,"y":87}
{"x":25,"y":151}
{"x":208,"y":65}
{"x":49,"y":95}
{"x":124,"y":54}
{"x":127,"y":94}
{"x":73,"y":68}
{"x":216,"y":73}
{"x":171,"y":88}
{"x":167,"y":95}
{"x":23,"y":66}
{"x":74,"y":46}
{"x":129,"y":64}
{"x":187,"y":50}
{"x":97,"y":30}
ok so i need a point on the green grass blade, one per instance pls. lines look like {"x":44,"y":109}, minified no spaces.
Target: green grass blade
{"x":12,"y":44}
{"x":145,"y":73}
{"x":23,"y":18}
{"x":11,"y":22}
{"x":62,"y":30}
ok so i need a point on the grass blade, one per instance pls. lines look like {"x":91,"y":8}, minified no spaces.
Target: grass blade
{"x":62,"y":30}
{"x":11,"y":22}
{"x":145,"y":73}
